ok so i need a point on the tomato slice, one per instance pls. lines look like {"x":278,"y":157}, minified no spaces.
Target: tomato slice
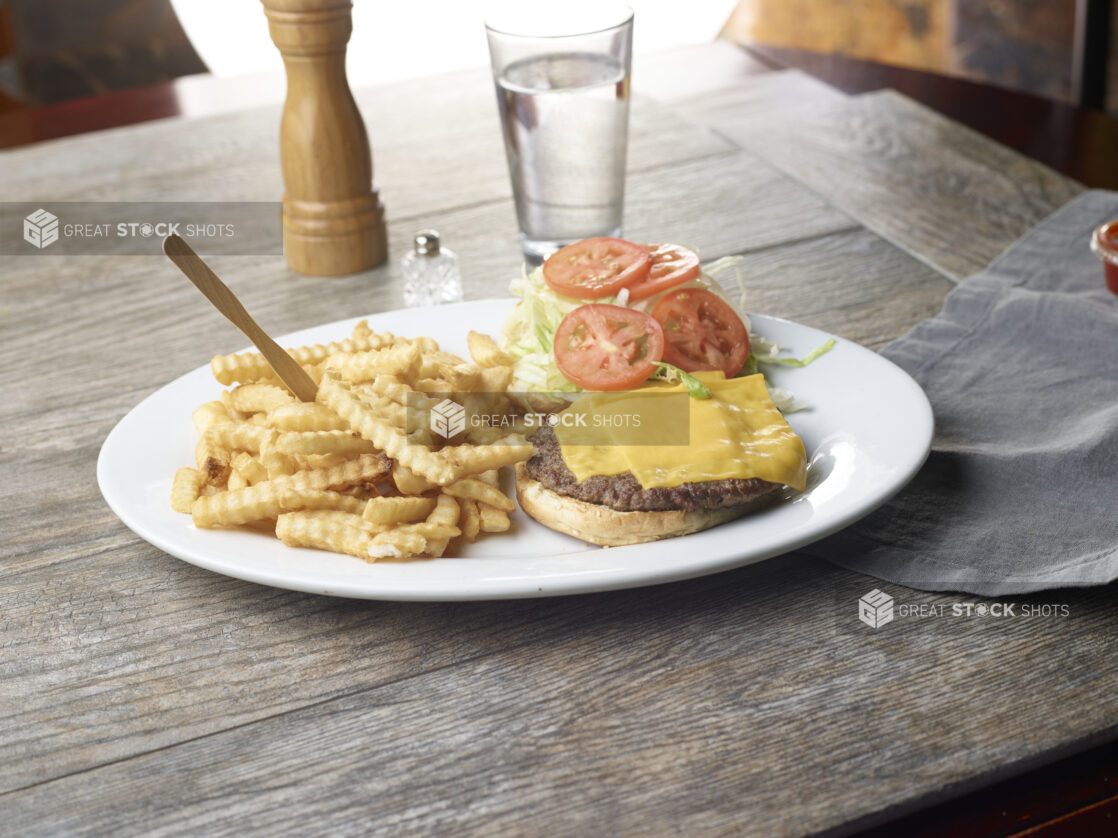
{"x":595,"y":268}
{"x":604,"y":347}
{"x":701,"y":332}
{"x":672,"y":265}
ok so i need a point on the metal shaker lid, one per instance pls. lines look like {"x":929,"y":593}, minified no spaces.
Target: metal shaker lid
{"x":427,"y":243}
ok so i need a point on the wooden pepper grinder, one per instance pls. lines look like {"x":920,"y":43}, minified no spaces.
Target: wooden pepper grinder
{"x":333,"y":220}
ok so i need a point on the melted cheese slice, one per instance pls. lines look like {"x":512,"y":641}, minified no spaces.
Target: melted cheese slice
{"x":737,"y":433}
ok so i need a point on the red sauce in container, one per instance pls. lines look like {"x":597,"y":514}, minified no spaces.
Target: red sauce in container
{"x":1105,"y":245}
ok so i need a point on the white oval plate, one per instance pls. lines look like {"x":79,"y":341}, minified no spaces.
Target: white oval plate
{"x":868,"y":431}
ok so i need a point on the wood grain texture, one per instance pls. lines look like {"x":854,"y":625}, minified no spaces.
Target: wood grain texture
{"x":858,"y":282}
{"x":765,"y":98}
{"x":685,"y":709}
{"x":948,"y":196}
{"x":141,"y":695}
{"x":437,"y":146}
{"x":681,"y":74}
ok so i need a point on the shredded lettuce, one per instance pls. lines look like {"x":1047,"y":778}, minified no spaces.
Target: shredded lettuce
{"x":695,"y":388}
{"x":718,"y":266}
{"x":529,"y":333}
{"x":804,"y":361}
{"x":764,"y":351}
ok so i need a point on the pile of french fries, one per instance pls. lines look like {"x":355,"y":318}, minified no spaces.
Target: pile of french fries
{"x":359,"y":470}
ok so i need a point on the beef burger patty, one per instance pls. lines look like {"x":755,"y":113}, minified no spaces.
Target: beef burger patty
{"x":622,"y":491}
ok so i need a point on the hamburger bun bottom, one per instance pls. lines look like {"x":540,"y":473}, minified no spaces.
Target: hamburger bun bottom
{"x":608,"y":527}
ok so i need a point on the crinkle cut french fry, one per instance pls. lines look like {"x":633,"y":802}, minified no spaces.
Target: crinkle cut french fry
{"x":242,"y":436}
{"x":252,"y":366}
{"x":213,"y":461}
{"x":407,"y":482}
{"x":364,"y":492}
{"x":445,"y":513}
{"x":401,"y":393}
{"x":495,"y":379}
{"x":397,"y":543}
{"x":433,"y":385}
{"x":482,"y":492}
{"x":186,"y":488}
{"x":485,"y":351}
{"x":320,"y":460}
{"x":250,"y":468}
{"x":227,"y":400}
{"x":364,"y":335}
{"x":210,"y":414}
{"x":436,"y":547}
{"x":323,"y":442}
{"x":403,"y":359}
{"x":325,"y":530}
{"x":464,"y":376}
{"x":434,"y":361}
{"x":266,"y":500}
{"x":442,"y":467}
{"x":268,"y":460}
{"x":231,"y":369}
{"x":338,"y":396}
{"x":276,"y":463}
{"x":469,"y":520}
{"x":407,"y":540}
{"x":260,"y":398}
{"x":305,"y":416}
{"x":362,"y":331}
{"x":470,"y":459}
{"x":315,"y":499}
{"x":387,"y":511}
{"x":492,"y":519}
{"x":457,"y":372}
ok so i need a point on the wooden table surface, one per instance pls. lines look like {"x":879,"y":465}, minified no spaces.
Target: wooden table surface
{"x":144,"y":695}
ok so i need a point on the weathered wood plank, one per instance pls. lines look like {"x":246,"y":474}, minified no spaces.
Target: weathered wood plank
{"x":850,"y":284}
{"x":767,"y":98}
{"x":947,"y":195}
{"x":436,"y":146}
{"x":706,"y":707}
{"x":679,"y":74}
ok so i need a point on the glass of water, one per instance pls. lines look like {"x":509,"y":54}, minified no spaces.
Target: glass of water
{"x":561,"y":71}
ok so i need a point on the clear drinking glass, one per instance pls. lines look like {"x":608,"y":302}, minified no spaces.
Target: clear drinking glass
{"x":561,"y":70}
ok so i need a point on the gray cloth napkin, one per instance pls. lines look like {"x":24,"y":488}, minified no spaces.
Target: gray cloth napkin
{"x":1020,"y":492}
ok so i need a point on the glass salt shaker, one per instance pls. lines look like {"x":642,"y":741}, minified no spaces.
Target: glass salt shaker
{"x":430,"y":272}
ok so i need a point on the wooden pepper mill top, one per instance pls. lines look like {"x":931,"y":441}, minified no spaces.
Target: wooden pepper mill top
{"x":333,"y":221}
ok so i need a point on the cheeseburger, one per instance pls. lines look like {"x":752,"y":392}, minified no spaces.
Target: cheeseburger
{"x":607,"y":329}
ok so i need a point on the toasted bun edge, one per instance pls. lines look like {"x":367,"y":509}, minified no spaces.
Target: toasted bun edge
{"x":608,"y":527}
